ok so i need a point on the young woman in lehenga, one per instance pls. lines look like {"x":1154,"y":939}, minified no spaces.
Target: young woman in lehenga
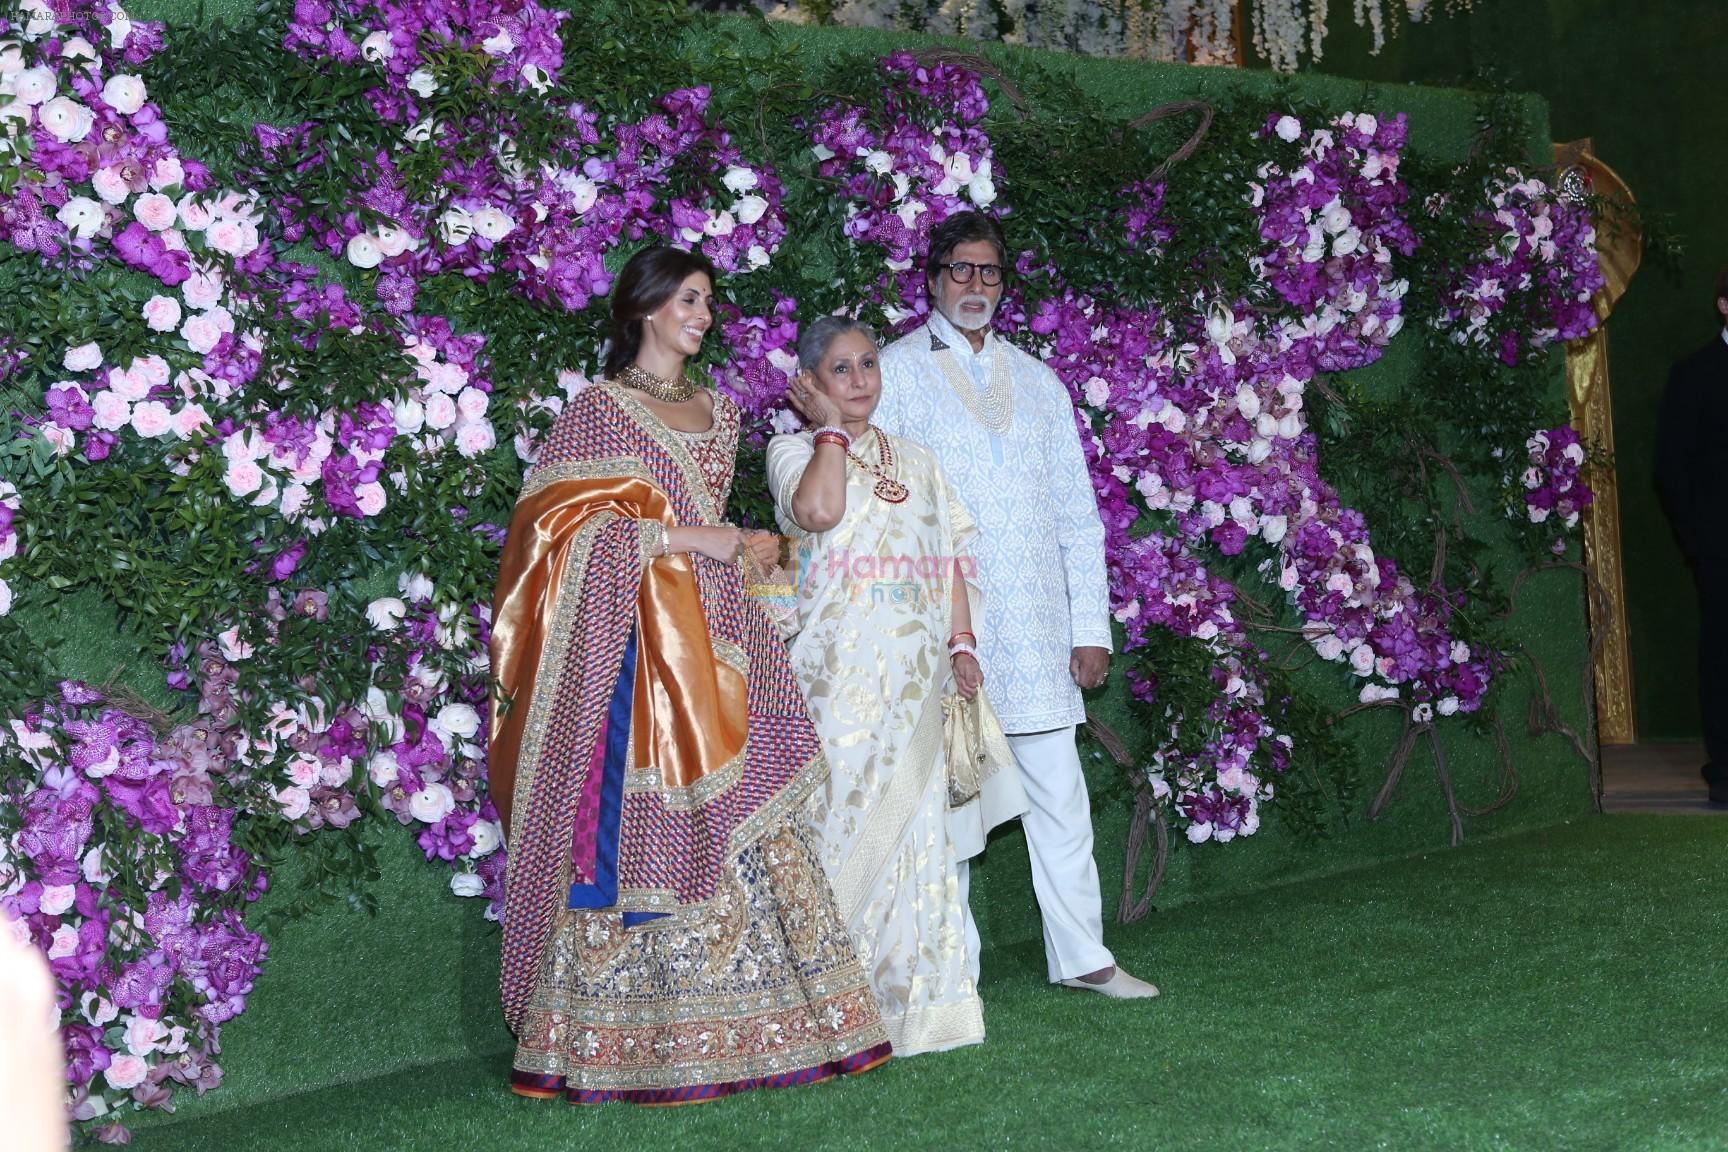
{"x":885,"y":629}
{"x":668,"y":933}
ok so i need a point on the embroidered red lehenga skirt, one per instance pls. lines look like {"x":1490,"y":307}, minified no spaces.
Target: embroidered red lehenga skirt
{"x":669,"y":935}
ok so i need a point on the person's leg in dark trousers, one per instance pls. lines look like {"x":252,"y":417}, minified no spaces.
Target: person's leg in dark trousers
{"x":1711,"y":574}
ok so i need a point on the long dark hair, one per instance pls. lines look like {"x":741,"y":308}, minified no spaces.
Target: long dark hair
{"x":647,"y":281}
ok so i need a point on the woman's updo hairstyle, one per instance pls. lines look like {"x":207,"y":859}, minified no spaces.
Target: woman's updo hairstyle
{"x":819,"y":335}
{"x":648,"y":280}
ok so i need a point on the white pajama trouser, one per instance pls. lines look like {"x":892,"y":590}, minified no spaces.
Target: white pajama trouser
{"x":1059,"y":839}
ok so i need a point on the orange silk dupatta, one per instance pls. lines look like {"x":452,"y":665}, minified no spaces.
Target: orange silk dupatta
{"x":690,"y":716}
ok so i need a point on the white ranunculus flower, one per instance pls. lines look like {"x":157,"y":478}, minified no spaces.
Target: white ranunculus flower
{"x":756,"y":256}
{"x":750,"y":209}
{"x":1247,"y":402}
{"x":719,"y":224}
{"x":393,"y":241}
{"x":493,"y":223}
{"x":34,"y":86}
{"x":487,"y":836}
{"x":422,"y":83}
{"x":456,"y":226}
{"x":982,"y":190}
{"x":457,"y":719}
{"x":879,"y":162}
{"x":66,"y":120}
{"x":466,"y":884}
{"x":364,"y":252}
{"x":125,"y":94}
{"x":78,"y":50}
{"x":431,"y":804}
{"x":421,"y":132}
{"x":1288,"y":129}
{"x":386,"y":612}
{"x":377,"y":47}
{"x":82,"y":216}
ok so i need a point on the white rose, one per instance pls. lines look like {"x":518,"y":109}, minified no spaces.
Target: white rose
{"x":409,"y":415}
{"x":95,"y":868}
{"x":167,"y":173}
{"x":151,"y":419}
{"x":466,"y":884}
{"x":364,"y":252}
{"x":1248,"y":402}
{"x":740,"y":180}
{"x":475,"y":438}
{"x":370,"y":498}
{"x":719,"y":224}
{"x":386,"y":612}
{"x":421,"y":83}
{"x":431,"y":804}
{"x":82,"y":216}
{"x":57,"y":898}
{"x":66,"y":120}
{"x":750,"y":209}
{"x":471,"y":403}
{"x":125,"y":94}
{"x":1288,"y":128}
{"x":383,"y":769}
{"x":440,"y":411}
{"x":83,"y":358}
{"x":110,"y":185}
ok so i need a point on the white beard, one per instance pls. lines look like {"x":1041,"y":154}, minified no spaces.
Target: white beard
{"x":961,"y":321}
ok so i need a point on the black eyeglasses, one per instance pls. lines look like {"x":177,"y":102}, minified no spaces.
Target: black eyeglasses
{"x":960,"y":271}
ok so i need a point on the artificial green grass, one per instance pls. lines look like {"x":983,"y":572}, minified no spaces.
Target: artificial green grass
{"x":1561,"y":989}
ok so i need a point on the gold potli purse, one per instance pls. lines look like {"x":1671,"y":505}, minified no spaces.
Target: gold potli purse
{"x":975,"y":746}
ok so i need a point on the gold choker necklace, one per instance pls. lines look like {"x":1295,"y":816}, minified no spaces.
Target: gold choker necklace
{"x":670,"y":391}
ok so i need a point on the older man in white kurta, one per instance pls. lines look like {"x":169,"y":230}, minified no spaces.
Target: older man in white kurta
{"x":1002,"y":425}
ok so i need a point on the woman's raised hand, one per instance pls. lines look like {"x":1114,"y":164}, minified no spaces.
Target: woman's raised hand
{"x":818,"y":410}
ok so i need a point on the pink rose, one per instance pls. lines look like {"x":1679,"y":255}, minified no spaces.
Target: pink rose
{"x":150,"y":419}
{"x":203,"y":331}
{"x":127,"y":1072}
{"x":154,"y":210}
{"x":294,"y":802}
{"x":303,"y":771}
{"x":195,"y":215}
{"x":162,"y":313}
{"x":97,"y":1009}
{"x":57,"y":898}
{"x":110,"y":185}
{"x":243,"y":477}
{"x":151,"y":369}
{"x":471,"y":404}
{"x":370,"y":498}
{"x":475,"y":437}
{"x":202,"y":289}
{"x":189,"y":420}
{"x":113,"y":411}
{"x":128,"y":384}
{"x":294,"y":498}
{"x":233,"y":237}
{"x":84,"y":358}
{"x":167,"y":172}
{"x":143,"y":1035}
{"x":440,"y":411}
{"x":63,"y":943}
{"x":337,"y":774}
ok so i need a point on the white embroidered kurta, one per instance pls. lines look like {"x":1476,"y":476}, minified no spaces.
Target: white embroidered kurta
{"x":1041,"y":544}
{"x":875,"y":608}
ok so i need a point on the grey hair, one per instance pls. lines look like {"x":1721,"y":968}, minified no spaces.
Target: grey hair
{"x":819,"y":335}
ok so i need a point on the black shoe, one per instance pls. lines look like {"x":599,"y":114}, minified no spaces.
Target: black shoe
{"x":1718,"y":787}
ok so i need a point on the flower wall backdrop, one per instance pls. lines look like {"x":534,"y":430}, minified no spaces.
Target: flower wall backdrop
{"x":303,"y":293}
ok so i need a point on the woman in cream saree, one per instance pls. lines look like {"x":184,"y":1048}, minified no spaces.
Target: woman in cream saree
{"x":884,"y":632}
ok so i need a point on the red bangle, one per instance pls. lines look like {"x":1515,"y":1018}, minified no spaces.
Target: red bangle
{"x":957,"y":635}
{"x":832,"y":438}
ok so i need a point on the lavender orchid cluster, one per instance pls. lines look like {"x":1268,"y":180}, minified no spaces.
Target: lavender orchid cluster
{"x":116,"y":862}
{"x":1537,"y":274}
{"x":1552,"y":485}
